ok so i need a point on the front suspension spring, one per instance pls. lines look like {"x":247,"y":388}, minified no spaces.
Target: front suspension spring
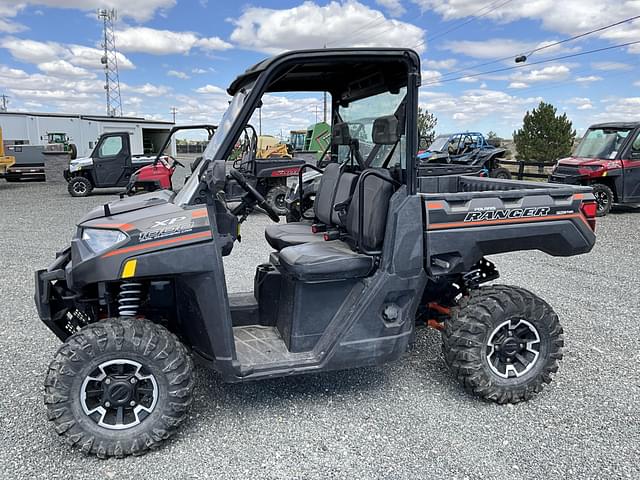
{"x":129,"y":299}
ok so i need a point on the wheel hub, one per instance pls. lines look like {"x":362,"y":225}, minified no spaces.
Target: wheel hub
{"x":280,"y":201}
{"x":119,"y":394}
{"x":513,"y":348}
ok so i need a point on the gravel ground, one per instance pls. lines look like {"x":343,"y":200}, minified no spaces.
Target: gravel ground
{"x":405,"y":420}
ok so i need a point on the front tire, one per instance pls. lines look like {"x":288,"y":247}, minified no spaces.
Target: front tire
{"x":604,"y":198}
{"x":119,"y":387}
{"x":503,"y":343}
{"x":79,"y":187}
{"x":501,"y":173}
{"x":276,"y":197}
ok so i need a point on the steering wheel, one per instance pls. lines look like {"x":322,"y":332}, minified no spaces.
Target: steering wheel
{"x":251,"y":190}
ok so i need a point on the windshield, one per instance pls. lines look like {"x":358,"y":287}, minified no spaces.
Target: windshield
{"x":212,"y":152}
{"x":438,"y":144}
{"x":602,"y":143}
{"x":360,"y":116}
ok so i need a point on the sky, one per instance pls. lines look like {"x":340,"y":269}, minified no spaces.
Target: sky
{"x":184,"y":54}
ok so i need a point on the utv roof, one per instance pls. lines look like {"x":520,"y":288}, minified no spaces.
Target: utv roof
{"x":329,"y":68}
{"x":616,"y":125}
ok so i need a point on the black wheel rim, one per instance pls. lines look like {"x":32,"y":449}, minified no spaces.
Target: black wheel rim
{"x":513,"y":348}
{"x":279,"y":201}
{"x":119,"y":394}
{"x":602,"y":200}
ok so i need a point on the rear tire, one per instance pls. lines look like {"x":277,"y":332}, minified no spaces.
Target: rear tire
{"x":119,"y":387}
{"x":73,"y":151}
{"x":276,"y":197}
{"x":79,"y":187}
{"x":503,"y":343}
{"x":501,"y":173}
{"x":604,"y":198}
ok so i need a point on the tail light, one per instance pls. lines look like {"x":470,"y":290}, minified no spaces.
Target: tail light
{"x":589,"y":210}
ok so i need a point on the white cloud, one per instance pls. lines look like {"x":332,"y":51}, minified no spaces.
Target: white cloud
{"x":62,"y":68}
{"x":140,"y":10}
{"x":393,"y":7}
{"x":621,"y":109}
{"x":213,"y":43}
{"x":581,"y":103}
{"x":431,"y":77}
{"x":567,"y":16}
{"x":211,"y":90}
{"x":309,"y":25}
{"x":163,"y":42}
{"x":607,"y":66}
{"x":198,"y":71}
{"x":518,"y":85}
{"x":489,"y":49}
{"x":89,"y":57}
{"x":550,"y":73}
{"x":440,"y":64}
{"x":31,"y":51}
{"x":468,"y":107}
{"x":147,"y":89}
{"x":35,"y":52}
{"x":588,"y":79}
{"x":178,"y":74}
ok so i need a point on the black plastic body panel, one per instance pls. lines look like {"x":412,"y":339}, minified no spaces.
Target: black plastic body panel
{"x":468,"y":218}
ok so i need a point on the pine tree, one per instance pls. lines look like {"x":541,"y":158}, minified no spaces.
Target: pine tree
{"x":426,"y":127}
{"x":544,"y":136}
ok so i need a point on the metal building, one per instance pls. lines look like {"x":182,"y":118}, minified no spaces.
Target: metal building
{"x":82,"y":130}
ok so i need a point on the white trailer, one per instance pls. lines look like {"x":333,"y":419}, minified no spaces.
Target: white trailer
{"x":83,"y":130}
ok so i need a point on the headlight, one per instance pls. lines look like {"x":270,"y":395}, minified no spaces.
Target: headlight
{"x":74,"y":167}
{"x":99,"y":240}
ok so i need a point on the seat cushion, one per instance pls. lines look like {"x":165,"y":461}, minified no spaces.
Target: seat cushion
{"x":324,"y":261}
{"x":288,"y":234}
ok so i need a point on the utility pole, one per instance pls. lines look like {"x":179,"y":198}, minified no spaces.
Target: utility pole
{"x":324,"y":95}
{"x":324,"y":114}
{"x":174,"y":110}
{"x":110,"y":62}
{"x":4,"y":102}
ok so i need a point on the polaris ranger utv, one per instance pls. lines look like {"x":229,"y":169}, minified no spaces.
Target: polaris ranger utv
{"x":141,"y":289}
{"x":608,"y":160}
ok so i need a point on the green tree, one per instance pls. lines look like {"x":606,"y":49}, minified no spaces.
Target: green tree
{"x":544,"y":136}
{"x":426,"y":127}
{"x":492,"y":135}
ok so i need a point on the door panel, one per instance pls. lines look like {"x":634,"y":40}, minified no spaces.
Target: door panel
{"x":113,"y":161}
{"x":631,"y":189}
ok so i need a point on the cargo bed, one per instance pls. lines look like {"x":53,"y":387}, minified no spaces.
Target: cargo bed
{"x":467,"y":218}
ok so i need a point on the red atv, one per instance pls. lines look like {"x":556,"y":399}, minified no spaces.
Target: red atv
{"x":608,"y":160}
{"x":157,"y":175}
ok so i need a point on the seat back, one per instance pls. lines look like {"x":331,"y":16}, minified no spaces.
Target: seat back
{"x":373,"y":206}
{"x":344,"y":191}
{"x":323,"y":204}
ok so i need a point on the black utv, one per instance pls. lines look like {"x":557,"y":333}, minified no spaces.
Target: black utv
{"x":141,"y":290}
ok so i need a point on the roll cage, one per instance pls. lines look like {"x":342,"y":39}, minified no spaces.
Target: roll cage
{"x":346,"y":74}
